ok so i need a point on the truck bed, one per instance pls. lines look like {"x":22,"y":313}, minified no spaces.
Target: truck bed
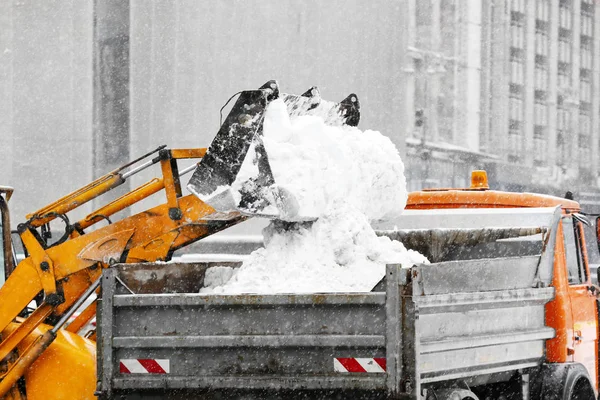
{"x":476,"y":320}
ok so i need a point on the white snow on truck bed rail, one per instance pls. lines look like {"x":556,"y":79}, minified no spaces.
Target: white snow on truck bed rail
{"x":470,"y":218}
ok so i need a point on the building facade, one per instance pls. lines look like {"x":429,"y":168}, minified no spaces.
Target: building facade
{"x":510,"y":86}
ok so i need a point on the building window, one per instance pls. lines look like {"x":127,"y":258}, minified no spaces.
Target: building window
{"x":564,"y":50}
{"x":587,"y":24}
{"x":517,"y":6}
{"x":586,"y":55}
{"x":448,"y":27}
{"x":563,"y":121}
{"x":517,"y":34}
{"x":542,"y":10}
{"x":515,"y":144}
{"x":585,"y":130}
{"x":585,"y":89}
{"x":541,"y":77}
{"x":517,"y":74}
{"x":515,"y":132}
{"x":516,"y":109}
{"x":565,"y":16}
{"x":541,"y":43}
{"x":445,"y":106}
{"x":423,"y":23}
{"x":564,"y":79}
{"x":539,"y":135}
{"x":540,"y":146}
{"x":563,"y":128}
{"x":541,"y":114}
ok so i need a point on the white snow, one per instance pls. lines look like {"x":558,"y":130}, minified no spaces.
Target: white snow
{"x":338,"y":253}
{"x":340,"y":179}
{"x":314,"y":164}
{"x":217,"y":276}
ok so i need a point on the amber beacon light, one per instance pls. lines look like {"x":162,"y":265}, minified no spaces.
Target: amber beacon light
{"x":479,"y":180}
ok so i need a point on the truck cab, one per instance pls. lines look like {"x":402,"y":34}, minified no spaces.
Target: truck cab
{"x":574,"y":311}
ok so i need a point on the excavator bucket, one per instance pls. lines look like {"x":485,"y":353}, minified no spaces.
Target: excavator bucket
{"x":239,"y":143}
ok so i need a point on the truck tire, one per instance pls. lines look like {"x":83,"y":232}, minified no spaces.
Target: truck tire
{"x":569,"y":381}
{"x":580,"y":389}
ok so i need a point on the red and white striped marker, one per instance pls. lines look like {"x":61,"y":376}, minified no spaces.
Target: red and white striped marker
{"x":144,"y":366}
{"x":368,"y":365}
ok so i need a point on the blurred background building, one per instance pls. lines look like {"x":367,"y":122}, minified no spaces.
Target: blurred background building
{"x":506,"y":85}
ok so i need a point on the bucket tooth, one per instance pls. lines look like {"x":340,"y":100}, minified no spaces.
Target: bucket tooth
{"x":301,"y":105}
{"x":312,"y":92}
{"x":271,"y":89}
{"x":350,"y":110}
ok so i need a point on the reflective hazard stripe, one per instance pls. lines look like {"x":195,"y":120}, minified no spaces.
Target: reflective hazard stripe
{"x":144,"y":366}
{"x":365,"y":365}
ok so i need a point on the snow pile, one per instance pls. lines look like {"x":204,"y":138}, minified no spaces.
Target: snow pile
{"x":338,"y":177}
{"x":338,"y":253}
{"x":314,"y":164}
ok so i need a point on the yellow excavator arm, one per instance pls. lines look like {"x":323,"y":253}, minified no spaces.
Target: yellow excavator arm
{"x":65,"y":270}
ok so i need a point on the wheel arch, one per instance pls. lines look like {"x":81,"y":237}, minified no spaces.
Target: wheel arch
{"x":559,"y":380}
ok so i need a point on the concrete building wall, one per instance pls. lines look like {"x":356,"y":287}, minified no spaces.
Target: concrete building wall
{"x":189,"y":57}
{"x":45,"y":99}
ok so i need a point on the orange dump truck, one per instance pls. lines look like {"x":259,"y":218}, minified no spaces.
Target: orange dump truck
{"x":505,"y":310}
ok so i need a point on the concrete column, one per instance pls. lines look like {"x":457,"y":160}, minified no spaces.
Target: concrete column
{"x":486,"y":63}
{"x":51,"y":95}
{"x":411,"y":21}
{"x":432,"y":73}
{"x":499,"y":72}
{"x":576,"y":32}
{"x":111,"y":85}
{"x":456,"y":106}
{"x":595,"y":90}
{"x":165,"y":71}
{"x":529,"y":87}
{"x":409,"y":72}
{"x":404,"y":97}
{"x":473,"y":83}
{"x":6,"y":90}
{"x":552,"y":81}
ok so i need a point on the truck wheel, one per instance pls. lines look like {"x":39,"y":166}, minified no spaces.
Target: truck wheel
{"x":581,"y":390}
{"x":565,"y":381}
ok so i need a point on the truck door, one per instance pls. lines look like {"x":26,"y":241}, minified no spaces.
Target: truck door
{"x":583,"y":301}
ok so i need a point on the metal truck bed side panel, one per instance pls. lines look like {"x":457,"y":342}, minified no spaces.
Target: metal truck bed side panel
{"x":402,"y":339}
